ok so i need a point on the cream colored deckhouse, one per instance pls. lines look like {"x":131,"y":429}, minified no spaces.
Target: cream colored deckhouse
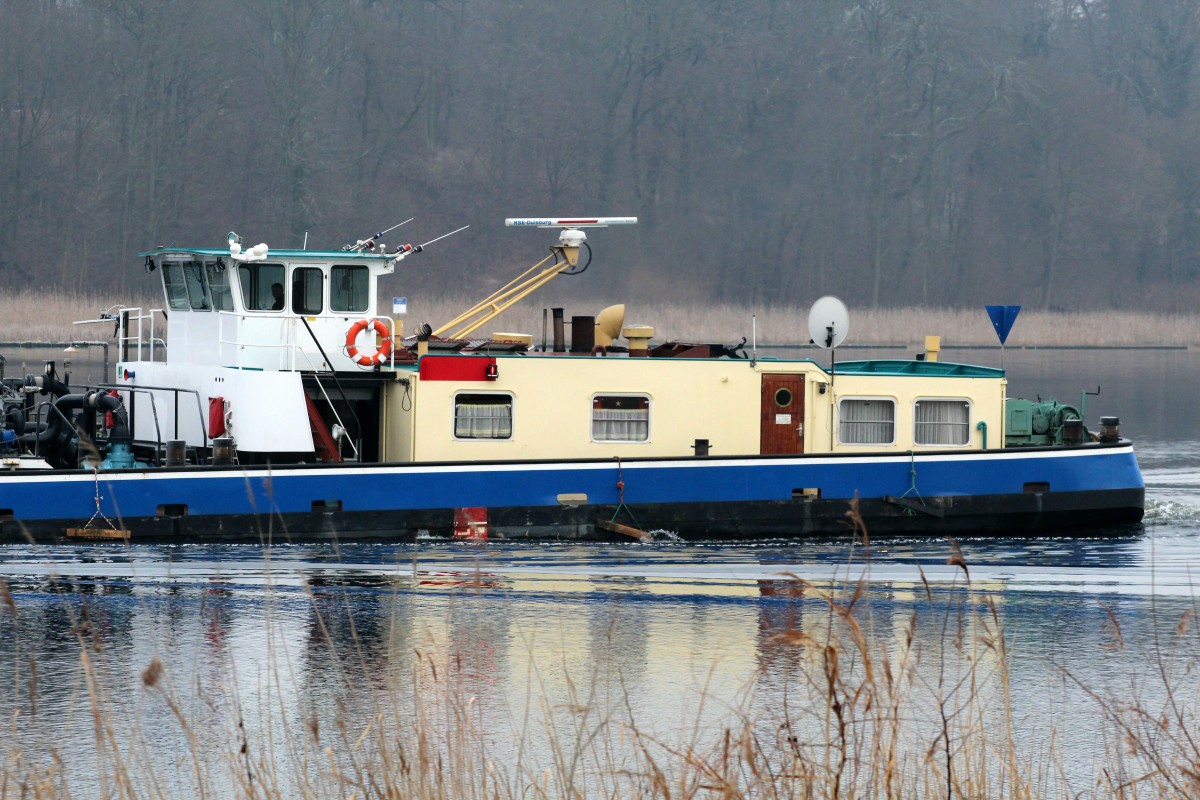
{"x":548,"y":407}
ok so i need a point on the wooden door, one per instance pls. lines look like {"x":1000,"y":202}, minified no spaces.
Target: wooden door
{"x":782,"y":414}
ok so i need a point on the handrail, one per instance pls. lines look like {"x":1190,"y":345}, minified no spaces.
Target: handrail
{"x":239,"y":345}
{"x":291,"y":343}
{"x":333,"y":408}
{"x":123,"y":315}
{"x":175,"y":390}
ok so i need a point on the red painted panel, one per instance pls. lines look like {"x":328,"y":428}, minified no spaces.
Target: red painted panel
{"x":455,"y":368}
{"x":216,"y":417}
{"x":471,"y":523}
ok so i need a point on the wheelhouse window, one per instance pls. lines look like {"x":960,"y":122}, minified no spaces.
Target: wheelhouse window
{"x":218,"y":285}
{"x":308,"y":285}
{"x":185,"y":286}
{"x":483,"y":416}
{"x":866,"y":420}
{"x":176,"y":289}
{"x":349,"y":289}
{"x":620,"y":418}
{"x":942,"y":422}
{"x":262,"y":286}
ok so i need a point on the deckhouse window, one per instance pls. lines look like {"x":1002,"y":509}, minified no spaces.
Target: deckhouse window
{"x":944,"y":422}
{"x":307,"y":287}
{"x":262,"y":286}
{"x":620,"y":418}
{"x":349,"y":289}
{"x":177,"y":298}
{"x":185,"y":286}
{"x":483,"y":416}
{"x":866,"y":421}
{"x":193,"y":277}
{"x":218,"y":285}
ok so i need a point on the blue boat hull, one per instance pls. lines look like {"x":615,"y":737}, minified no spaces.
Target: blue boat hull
{"x":1031,"y":490}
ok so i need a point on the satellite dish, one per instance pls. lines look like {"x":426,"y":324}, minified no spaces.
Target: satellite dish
{"x":828,"y":322}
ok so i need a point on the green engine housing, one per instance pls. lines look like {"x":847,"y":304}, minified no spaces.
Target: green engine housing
{"x":1028,"y":423}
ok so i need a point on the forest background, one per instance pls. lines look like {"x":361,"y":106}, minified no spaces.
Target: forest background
{"x":898,"y":153}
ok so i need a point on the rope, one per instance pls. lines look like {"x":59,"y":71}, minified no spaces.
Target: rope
{"x":621,"y":495}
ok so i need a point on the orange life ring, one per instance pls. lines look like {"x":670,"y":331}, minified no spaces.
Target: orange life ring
{"x":380,"y":355}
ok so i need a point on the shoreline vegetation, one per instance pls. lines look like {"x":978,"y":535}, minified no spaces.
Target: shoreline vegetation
{"x":878,"y":704}
{"x":48,"y":316}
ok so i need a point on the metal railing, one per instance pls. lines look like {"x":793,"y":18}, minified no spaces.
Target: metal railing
{"x":149,"y":390}
{"x":233,"y":347}
{"x":135,"y":331}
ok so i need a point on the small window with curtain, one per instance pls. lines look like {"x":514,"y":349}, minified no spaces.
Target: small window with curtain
{"x":483,"y":416}
{"x":942,"y":422}
{"x":349,"y":289}
{"x":308,"y":285}
{"x":620,"y":418}
{"x":866,"y":420}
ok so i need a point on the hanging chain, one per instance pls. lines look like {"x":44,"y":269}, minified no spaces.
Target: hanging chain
{"x":99,"y":513}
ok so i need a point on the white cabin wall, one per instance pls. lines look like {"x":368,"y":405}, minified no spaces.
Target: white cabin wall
{"x":268,"y":411}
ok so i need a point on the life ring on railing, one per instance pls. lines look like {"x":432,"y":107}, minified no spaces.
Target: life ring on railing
{"x":380,"y":355}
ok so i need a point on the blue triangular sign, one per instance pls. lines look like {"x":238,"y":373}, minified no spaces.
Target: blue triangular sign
{"x":1003,"y":318}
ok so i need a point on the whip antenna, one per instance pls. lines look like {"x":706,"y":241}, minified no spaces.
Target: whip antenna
{"x":443,"y":236}
{"x":369,"y":243}
{"x":405,"y":250}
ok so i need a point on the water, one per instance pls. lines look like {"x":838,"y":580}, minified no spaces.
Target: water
{"x":677,"y":638}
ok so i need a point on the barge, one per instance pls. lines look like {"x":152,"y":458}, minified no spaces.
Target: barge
{"x":269,"y":401}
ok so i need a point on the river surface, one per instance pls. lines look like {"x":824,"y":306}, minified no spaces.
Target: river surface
{"x":678,"y":638}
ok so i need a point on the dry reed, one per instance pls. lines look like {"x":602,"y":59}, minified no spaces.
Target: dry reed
{"x":48,"y":316}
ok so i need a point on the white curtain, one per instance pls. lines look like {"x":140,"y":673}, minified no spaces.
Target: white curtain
{"x":620,"y":424}
{"x":483,"y":420}
{"x":945,"y":422}
{"x":866,"y":421}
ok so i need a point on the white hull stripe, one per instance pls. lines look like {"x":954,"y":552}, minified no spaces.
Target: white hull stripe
{"x":43,"y":476}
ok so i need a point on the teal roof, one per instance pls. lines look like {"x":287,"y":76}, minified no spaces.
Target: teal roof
{"x":936,"y":369}
{"x":273,"y":255}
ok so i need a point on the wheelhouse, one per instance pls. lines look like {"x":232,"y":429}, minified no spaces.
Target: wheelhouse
{"x":288,"y":310}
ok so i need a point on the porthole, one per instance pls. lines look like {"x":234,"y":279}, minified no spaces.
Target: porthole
{"x":783,"y":398}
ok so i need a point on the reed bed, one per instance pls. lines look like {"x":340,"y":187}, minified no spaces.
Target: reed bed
{"x":917,"y":706}
{"x":48,"y":316}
